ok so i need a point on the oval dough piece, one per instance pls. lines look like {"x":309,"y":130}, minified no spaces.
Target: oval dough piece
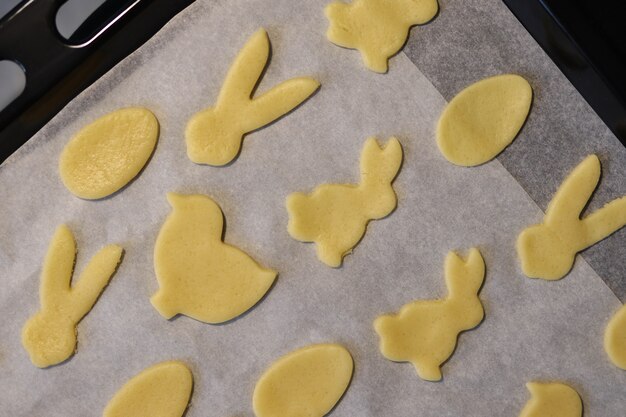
{"x":162,"y":390}
{"x":483,"y":119}
{"x":615,"y":338}
{"x":552,"y":400}
{"x":199,"y":275}
{"x":107,"y":154}
{"x":306,"y":382}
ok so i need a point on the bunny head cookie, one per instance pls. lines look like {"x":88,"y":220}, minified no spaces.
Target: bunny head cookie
{"x":335,"y":216}
{"x":214,"y":135}
{"x":548,"y":250}
{"x":50,"y":335}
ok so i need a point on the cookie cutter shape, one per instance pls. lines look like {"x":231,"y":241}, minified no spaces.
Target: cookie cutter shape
{"x":50,"y":335}
{"x":552,"y":399}
{"x":335,"y":216}
{"x":425,"y":332}
{"x":199,"y":275}
{"x":214,"y":135}
{"x":615,"y":338}
{"x":377,"y":28}
{"x":548,"y":250}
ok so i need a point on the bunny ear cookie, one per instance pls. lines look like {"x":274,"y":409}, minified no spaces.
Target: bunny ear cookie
{"x":548,"y":250}
{"x":214,"y":135}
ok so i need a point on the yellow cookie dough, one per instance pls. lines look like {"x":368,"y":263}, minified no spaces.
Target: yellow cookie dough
{"x":552,"y":400}
{"x":615,"y":338}
{"x":548,"y":250}
{"x":214,"y":135}
{"x":335,"y":216}
{"x":163,"y":390}
{"x":199,"y":275}
{"x":50,"y":335}
{"x":377,"y":28}
{"x":425,"y":332}
{"x":483,"y":119}
{"x":108,"y":153}
{"x":307,"y":382}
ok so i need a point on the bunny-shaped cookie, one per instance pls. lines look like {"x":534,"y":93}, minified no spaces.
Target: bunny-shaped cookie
{"x":425,"y":332}
{"x":552,"y":399}
{"x":548,"y":250}
{"x":50,"y":335}
{"x":335,"y":216}
{"x":378,"y":29}
{"x":214,"y":135}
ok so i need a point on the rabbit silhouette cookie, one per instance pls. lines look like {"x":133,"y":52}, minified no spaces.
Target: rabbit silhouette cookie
{"x":214,"y":135}
{"x":615,"y":338}
{"x":552,"y":400}
{"x":199,"y":275}
{"x":548,"y":250}
{"x":335,"y":216}
{"x":50,"y":335}
{"x":377,"y":28}
{"x":425,"y":332}
{"x":162,"y":390}
{"x":307,"y":382}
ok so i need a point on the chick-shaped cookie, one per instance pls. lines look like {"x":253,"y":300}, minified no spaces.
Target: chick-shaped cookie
{"x":425,"y":332}
{"x":552,"y":399}
{"x":377,"y":28}
{"x":50,"y":335}
{"x":214,"y":135}
{"x":335,"y":216}
{"x":199,"y":275}
{"x":548,"y":250}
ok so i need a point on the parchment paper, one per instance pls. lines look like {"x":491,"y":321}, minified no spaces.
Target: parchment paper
{"x":533,"y":330}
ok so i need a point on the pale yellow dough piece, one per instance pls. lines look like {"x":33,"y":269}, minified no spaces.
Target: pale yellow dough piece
{"x":335,"y":216}
{"x":552,"y":400}
{"x":548,"y":250}
{"x":615,"y":338}
{"x":199,"y":275}
{"x":307,"y":382}
{"x":214,"y":135}
{"x":425,"y":332}
{"x":377,"y":28}
{"x":162,"y":390}
{"x":107,"y":154}
{"x":50,"y":335}
{"x":483,"y":119}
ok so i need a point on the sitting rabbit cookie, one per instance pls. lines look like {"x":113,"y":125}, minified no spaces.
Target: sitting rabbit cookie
{"x":378,"y":29}
{"x":425,"y":332}
{"x":162,"y":390}
{"x":50,"y":335}
{"x":548,"y":250}
{"x":335,"y":216}
{"x":615,"y":338}
{"x":552,"y":400}
{"x":307,"y":382}
{"x":199,"y":275}
{"x":214,"y":135}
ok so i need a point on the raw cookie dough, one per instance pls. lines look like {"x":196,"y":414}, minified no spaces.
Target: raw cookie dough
{"x":483,"y":119}
{"x":50,"y":335}
{"x":108,"y":153}
{"x":214,"y":135}
{"x":425,"y":332}
{"x":162,"y":390}
{"x":377,"y":28}
{"x":548,"y":250}
{"x":306,"y":382}
{"x":552,"y":400}
{"x":335,"y":216}
{"x":199,"y":275}
{"x":615,"y":338}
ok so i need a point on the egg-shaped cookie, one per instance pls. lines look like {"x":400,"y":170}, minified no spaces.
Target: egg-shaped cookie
{"x":108,"y":153}
{"x":306,"y":382}
{"x":483,"y":119}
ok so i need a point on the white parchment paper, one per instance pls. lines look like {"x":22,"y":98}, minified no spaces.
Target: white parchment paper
{"x":533,"y":330}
